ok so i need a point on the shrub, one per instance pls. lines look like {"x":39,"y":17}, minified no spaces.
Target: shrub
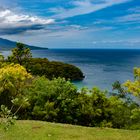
{"x":13,"y":81}
{"x":43,"y":67}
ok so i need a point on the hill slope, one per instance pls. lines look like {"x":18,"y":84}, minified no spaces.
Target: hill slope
{"x":36,"y":130}
{"x":8,"y":45}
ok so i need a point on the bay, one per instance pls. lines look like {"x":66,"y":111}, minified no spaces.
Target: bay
{"x":101,"y":67}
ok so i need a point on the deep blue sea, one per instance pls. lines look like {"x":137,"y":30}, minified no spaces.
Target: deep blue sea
{"x":101,"y":67}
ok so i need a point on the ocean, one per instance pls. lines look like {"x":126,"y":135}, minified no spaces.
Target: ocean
{"x":101,"y":67}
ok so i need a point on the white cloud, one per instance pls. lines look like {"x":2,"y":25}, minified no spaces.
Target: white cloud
{"x":124,"y":41}
{"x":129,"y":18}
{"x":133,"y":16}
{"x":20,"y":22}
{"x":135,"y":9}
{"x":84,"y":7}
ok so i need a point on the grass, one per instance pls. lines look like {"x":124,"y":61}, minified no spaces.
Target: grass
{"x":37,"y":130}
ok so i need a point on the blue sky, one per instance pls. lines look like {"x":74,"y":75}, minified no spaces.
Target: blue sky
{"x":72,"y":23}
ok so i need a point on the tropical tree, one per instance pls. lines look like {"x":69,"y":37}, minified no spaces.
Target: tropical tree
{"x":13,"y":80}
{"x":20,"y":53}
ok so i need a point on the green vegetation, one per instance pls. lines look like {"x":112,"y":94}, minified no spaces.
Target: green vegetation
{"x":58,"y":100}
{"x":133,"y":87}
{"x":35,"y":130}
{"x":43,"y":67}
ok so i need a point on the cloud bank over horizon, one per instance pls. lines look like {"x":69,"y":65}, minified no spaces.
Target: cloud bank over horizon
{"x":13,"y":23}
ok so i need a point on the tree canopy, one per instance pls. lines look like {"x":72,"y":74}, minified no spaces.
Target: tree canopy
{"x":20,"y":53}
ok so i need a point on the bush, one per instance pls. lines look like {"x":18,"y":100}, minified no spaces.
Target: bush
{"x":51,"y":100}
{"x":13,"y":81}
{"x":58,"y":100}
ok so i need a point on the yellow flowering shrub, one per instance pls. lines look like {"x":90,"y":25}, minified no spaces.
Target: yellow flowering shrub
{"x":133,"y":87}
{"x":13,"y":77}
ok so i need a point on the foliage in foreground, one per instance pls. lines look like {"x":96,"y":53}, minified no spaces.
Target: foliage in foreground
{"x":59,"y":100}
{"x":13,"y":79}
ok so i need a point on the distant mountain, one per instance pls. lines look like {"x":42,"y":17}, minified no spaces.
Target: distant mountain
{"x":8,"y":45}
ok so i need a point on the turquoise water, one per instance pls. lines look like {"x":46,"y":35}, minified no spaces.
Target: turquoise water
{"x":101,"y":67}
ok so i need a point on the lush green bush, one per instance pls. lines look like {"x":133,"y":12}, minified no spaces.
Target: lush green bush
{"x":52,"y":100}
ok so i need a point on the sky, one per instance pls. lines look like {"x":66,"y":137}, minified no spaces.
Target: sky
{"x":72,"y":23}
